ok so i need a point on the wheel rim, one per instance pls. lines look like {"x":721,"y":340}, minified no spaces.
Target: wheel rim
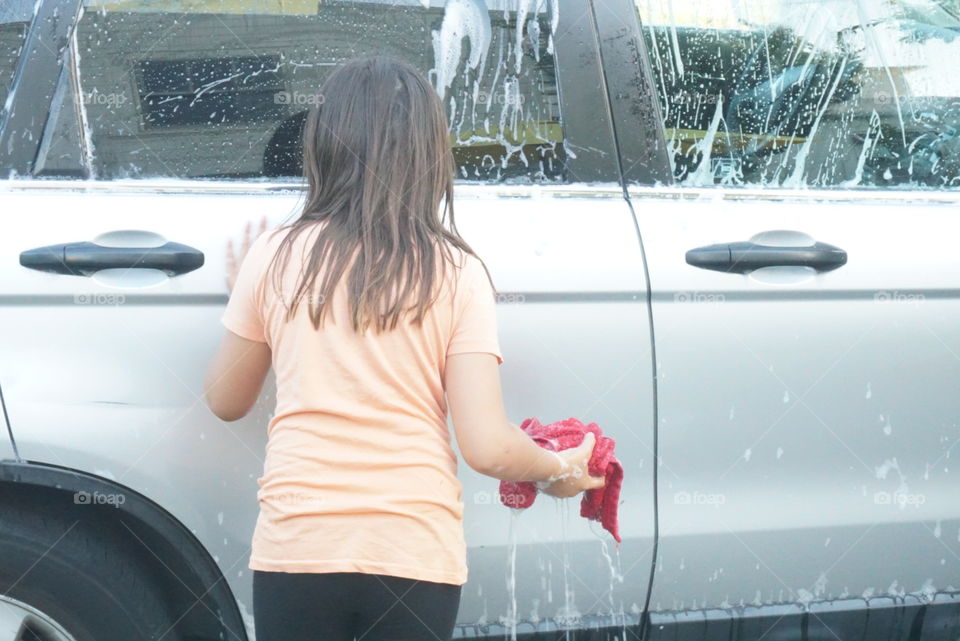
{"x":18,"y":619}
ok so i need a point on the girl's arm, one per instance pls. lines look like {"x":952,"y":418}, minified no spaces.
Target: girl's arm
{"x":493,"y":446}
{"x":235,"y":376}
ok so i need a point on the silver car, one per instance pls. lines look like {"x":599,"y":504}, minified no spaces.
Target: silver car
{"x":704,"y":224}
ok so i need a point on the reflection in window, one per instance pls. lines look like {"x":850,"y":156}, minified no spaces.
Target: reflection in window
{"x":168,"y":90}
{"x":197,"y":91}
{"x":828,"y":93}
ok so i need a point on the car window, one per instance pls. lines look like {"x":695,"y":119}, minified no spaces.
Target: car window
{"x":173,"y":90}
{"x":15,"y":16}
{"x":826,"y":93}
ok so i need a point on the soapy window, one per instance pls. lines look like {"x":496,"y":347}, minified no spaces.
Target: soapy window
{"x":829,"y":93}
{"x":173,"y":90}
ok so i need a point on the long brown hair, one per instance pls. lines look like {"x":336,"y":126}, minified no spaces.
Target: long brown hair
{"x":378,"y":163}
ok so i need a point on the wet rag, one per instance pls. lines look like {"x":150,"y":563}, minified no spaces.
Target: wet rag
{"x":599,"y":504}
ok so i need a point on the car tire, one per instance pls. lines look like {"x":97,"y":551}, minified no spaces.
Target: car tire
{"x":79,"y":573}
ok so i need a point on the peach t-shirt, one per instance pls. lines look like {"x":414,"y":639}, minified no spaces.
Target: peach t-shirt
{"x":359,"y":473}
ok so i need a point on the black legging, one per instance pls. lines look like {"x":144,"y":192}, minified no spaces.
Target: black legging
{"x":343,"y":606}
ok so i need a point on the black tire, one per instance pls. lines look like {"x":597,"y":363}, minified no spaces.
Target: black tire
{"x":73,"y":566}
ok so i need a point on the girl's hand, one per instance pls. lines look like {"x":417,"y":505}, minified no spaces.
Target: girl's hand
{"x":577,"y":477}
{"x":235,"y":258}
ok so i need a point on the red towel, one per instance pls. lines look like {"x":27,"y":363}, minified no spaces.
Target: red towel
{"x":599,"y":504}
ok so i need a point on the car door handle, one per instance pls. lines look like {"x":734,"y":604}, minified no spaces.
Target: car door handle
{"x":743,"y":256}
{"x":86,"y":258}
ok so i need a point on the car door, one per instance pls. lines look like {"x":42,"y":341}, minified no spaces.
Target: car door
{"x":170,"y":128}
{"x":805,"y":299}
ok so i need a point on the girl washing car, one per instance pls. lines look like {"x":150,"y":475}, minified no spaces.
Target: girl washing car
{"x":376,"y":316}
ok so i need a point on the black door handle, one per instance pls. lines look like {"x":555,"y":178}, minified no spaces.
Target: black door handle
{"x":86,"y":258}
{"x":744,"y":256}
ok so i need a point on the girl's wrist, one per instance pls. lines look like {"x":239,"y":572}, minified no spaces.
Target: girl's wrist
{"x":562,"y":471}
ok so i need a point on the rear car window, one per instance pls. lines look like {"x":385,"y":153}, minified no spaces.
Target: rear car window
{"x":175,"y":89}
{"x":827,"y":93}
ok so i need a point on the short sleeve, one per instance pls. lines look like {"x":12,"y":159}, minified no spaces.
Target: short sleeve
{"x":475,"y":314}
{"x":243,"y":315}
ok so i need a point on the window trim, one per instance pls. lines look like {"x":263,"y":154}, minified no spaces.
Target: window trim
{"x":640,"y":139}
{"x":584,"y":109}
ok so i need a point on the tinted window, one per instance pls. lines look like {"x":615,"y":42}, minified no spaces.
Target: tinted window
{"x":170,"y":90}
{"x":829,"y":93}
{"x":15,"y":15}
